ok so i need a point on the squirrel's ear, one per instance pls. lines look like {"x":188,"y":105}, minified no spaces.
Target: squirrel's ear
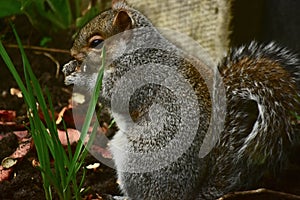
{"x":115,"y":3}
{"x":123,"y":21}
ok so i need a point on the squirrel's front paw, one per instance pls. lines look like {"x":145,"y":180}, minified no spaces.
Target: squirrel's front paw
{"x":73,"y":78}
{"x":70,"y":67}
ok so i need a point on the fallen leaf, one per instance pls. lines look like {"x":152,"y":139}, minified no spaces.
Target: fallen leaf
{"x":21,"y":134}
{"x":35,"y":163}
{"x":68,"y":117}
{"x":16,"y":92}
{"x":93,"y":166}
{"x":7,"y":117}
{"x":23,"y":148}
{"x":8,"y":162}
{"x":73,"y":135}
{"x":61,"y":114}
{"x":20,"y":152}
{"x":5,"y":173}
{"x":105,"y":153}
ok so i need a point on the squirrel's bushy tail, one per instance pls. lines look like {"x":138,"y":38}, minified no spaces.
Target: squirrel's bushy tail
{"x":262,"y":86}
{"x":262,"y":91}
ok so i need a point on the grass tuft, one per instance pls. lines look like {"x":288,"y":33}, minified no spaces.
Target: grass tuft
{"x":60,"y":176}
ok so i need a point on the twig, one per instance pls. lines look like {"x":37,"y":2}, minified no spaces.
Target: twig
{"x":36,"y":48}
{"x":241,"y":194}
{"x":54,"y":60}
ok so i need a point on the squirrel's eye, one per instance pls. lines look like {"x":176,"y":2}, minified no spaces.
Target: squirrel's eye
{"x":96,"y":44}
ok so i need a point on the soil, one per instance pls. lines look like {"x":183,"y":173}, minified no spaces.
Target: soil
{"x":25,"y":182}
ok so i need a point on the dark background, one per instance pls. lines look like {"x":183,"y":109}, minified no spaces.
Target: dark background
{"x":265,"y":21}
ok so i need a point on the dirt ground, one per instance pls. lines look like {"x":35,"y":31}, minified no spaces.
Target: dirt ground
{"x":25,"y":181}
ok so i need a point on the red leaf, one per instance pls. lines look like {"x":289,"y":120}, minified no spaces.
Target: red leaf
{"x":20,"y":152}
{"x":73,"y":135}
{"x":7,"y":117}
{"x":5,"y":173}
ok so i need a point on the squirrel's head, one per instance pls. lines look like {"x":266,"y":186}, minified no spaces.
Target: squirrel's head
{"x":118,"y":19}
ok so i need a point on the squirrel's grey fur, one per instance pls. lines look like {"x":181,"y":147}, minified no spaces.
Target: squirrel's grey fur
{"x":261,"y":85}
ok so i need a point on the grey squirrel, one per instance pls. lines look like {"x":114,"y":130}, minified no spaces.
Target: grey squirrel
{"x":262,"y":91}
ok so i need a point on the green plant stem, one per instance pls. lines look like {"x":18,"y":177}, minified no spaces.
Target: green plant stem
{"x":77,"y":8}
{"x":89,"y":116}
{"x":63,"y":177}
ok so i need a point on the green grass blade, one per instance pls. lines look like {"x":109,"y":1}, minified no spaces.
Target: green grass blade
{"x":89,"y":144}
{"x":43,"y":140}
{"x":45,"y":134}
{"x":89,"y":116}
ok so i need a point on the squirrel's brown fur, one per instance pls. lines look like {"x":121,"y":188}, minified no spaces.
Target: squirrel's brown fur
{"x":261,"y":86}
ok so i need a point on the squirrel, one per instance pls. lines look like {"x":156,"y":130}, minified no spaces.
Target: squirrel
{"x":261,"y":83}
